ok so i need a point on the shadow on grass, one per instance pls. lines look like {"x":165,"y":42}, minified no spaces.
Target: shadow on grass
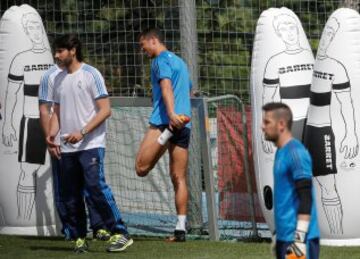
{"x":65,"y":249}
{"x":43,"y":238}
{"x":50,"y":248}
{"x":141,"y":238}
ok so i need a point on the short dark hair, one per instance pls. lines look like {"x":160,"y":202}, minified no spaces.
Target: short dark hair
{"x":281,"y":111}
{"x":69,"y":41}
{"x":152,"y":32}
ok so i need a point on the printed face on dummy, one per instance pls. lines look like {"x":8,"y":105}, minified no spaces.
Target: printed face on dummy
{"x":289,"y":33}
{"x":35,"y":31}
{"x":326,"y":38}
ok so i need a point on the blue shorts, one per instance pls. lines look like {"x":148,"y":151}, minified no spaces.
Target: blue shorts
{"x":181,"y":136}
{"x":312,"y":247}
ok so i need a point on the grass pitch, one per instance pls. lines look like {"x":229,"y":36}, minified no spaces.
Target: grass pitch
{"x":17,"y":247}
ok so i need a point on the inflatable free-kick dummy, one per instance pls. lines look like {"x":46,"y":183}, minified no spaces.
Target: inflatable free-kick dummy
{"x":281,"y":70}
{"x":26,"y":197}
{"x":333,"y":128}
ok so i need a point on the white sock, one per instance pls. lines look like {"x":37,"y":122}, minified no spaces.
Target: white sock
{"x":180,"y":225}
{"x":164,"y":137}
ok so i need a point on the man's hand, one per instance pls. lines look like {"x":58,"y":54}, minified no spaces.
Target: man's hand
{"x":296,"y":251}
{"x":50,"y":141}
{"x":298,"y":248}
{"x":73,"y":138}
{"x":176,"y":121}
{"x":55,"y":151}
{"x":53,"y":147}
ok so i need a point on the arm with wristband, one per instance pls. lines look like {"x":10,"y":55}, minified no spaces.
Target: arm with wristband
{"x":301,"y":168}
{"x":298,"y":248}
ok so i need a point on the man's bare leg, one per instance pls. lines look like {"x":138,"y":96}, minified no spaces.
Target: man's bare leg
{"x":178,"y":170}
{"x":149,"y":152}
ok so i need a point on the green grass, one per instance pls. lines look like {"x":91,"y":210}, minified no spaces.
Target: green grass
{"x":17,"y":247}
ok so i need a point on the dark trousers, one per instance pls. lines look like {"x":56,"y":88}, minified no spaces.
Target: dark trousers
{"x":312,"y":249}
{"x":95,"y":219}
{"x":59,"y":202}
{"x":84,"y":170}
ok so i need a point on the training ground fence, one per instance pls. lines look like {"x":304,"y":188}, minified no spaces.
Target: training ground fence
{"x":215,"y":37}
{"x":223,"y":203}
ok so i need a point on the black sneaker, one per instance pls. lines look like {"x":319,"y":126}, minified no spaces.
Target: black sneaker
{"x":179,"y":236}
{"x":81,"y":246}
{"x":119,"y":242}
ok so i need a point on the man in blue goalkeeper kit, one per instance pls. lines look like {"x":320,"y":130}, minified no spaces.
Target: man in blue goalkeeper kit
{"x":46,"y":101}
{"x":297,"y":232}
{"x":171,"y":88}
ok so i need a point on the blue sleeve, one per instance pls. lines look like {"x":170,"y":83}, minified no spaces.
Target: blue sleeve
{"x":46,"y":93}
{"x":43,"y":87}
{"x":98,"y":85}
{"x":162,"y":69}
{"x":300,"y":163}
{"x":56,"y":97}
{"x":97,"y":82}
